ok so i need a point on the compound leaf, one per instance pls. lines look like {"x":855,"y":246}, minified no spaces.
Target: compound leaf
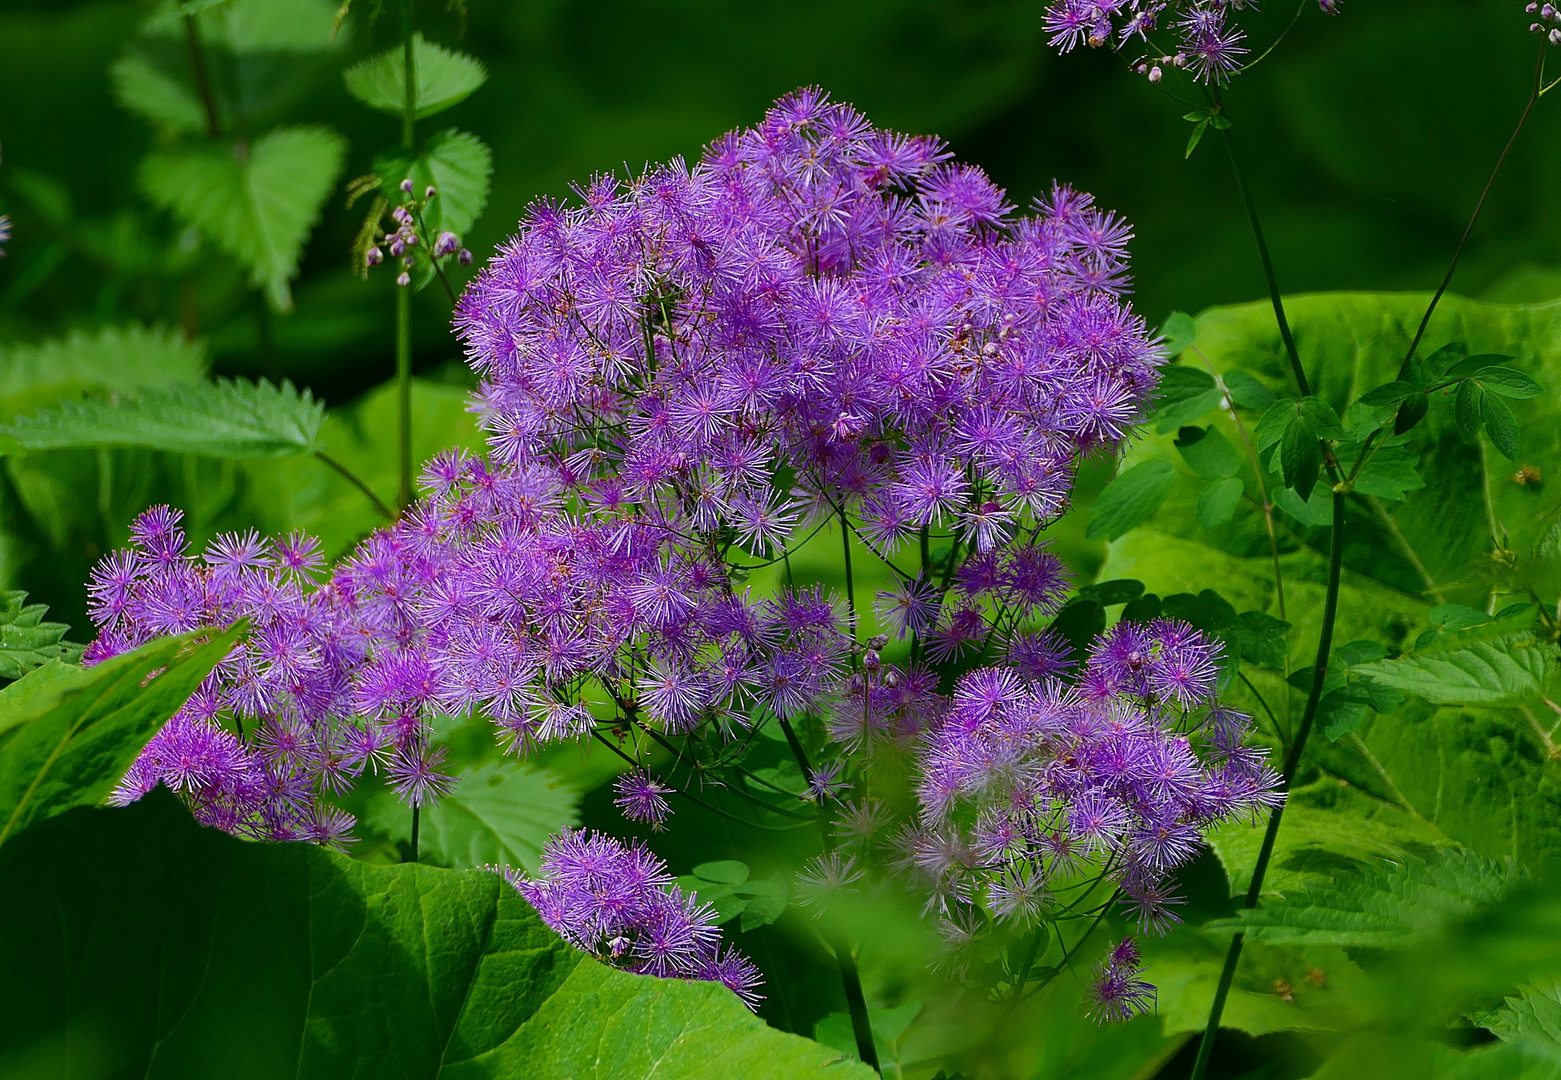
{"x":457,"y":164}
{"x":1131,"y":498}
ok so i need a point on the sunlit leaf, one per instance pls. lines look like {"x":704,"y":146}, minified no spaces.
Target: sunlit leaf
{"x":443,"y":78}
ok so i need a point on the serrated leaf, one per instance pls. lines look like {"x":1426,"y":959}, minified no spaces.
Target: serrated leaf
{"x":1184,"y":394}
{"x":259,"y":205}
{"x":26,"y":641}
{"x":113,"y":359}
{"x":1532,"y":1019}
{"x":498,"y":814}
{"x":443,"y":78}
{"x":1510,"y":671}
{"x":1208,"y":452}
{"x":245,"y":27}
{"x":301,"y":963}
{"x":155,"y":96}
{"x":1381,"y":907}
{"x":457,"y":164}
{"x":223,"y":418}
{"x":1131,"y":498}
{"x":1501,"y":425}
{"x":67,"y":734}
{"x":1218,"y":501}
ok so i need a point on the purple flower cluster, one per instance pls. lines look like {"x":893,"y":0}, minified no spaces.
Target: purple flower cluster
{"x":1208,"y":41}
{"x":617,"y":902}
{"x":1029,"y":786}
{"x":327,"y":683}
{"x":1117,"y":992}
{"x":1547,"y":21}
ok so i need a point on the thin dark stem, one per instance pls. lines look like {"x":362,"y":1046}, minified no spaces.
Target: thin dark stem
{"x":845,"y":546}
{"x":1539,"y":76}
{"x":1292,"y":764}
{"x":357,"y":482}
{"x":404,"y":295}
{"x":192,"y":36}
{"x":416,"y":821}
{"x":1268,"y":268}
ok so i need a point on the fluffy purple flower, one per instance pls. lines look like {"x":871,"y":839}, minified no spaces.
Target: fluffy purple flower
{"x":642,"y":798}
{"x":1208,"y":46}
{"x":1117,"y":992}
{"x":617,"y":902}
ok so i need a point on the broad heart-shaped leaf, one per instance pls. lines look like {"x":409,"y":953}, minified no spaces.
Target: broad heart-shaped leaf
{"x":169,"y":951}
{"x":113,"y":359}
{"x":223,"y":418}
{"x":1384,"y":906}
{"x":499,"y":814}
{"x":256,"y":202}
{"x":443,"y":78}
{"x":26,"y":641}
{"x":457,"y":164}
{"x":67,"y":734}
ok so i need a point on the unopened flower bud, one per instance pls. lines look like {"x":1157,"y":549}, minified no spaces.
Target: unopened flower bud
{"x":464,"y":258}
{"x":878,"y":641}
{"x":411,"y":238}
{"x":406,"y":185}
{"x":447,"y":243}
{"x":404,"y":279}
{"x":373,"y":257}
{"x":872,"y":661}
{"x":891,"y":678}
{"x":1155,"y":75}
{"x":429,"y":192}
{"x":402,"y":215}
{"x":408,"y":262}
{"x":1555,"y":36}
{"x":397,"y":247}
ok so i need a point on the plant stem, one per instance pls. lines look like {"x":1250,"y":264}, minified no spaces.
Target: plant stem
{"x":415,"y":823}
{"x":357,"y":482}
{"x":1268,"y":269}
{"x":845,"y":546}
{"x":1539,"y":75}
{"x":192,"y":36}
{"x":1292,"y":764}
{"x":404,"y":296}
{"x":850,"y":977}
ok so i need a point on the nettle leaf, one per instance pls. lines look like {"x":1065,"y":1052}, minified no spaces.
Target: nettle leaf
{"x":443,"y":78}
{"x":457,"y":164}
{"x":1513,"y":670}
{"x":168,"y":103}
{"x":227,"y":419}
{"x":1384,"y":906}
{"x":1184,"y":394}
{"x":1532,"y":1019}
{"x":301,"y":963}
{"x":499,"y":814}
{"x":113,"y":359}
{"x":26,"y":641}
{"x":67,"y":734}
{"x":257,"y":204}
{"x":1131,"y":498}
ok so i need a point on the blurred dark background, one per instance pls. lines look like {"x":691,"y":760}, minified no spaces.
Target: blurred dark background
{"x":1367,"y":137}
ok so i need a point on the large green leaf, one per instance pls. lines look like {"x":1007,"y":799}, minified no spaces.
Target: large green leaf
{"x":1512,"y":670}
{"x":223,"y":418}
{"x":456,"y":164}
{"x":499,"y":814}
{"x":146,"y":89}
{"x":26,"y":641}
{"x":443,"y":78}
{"x":67,"y":734}
{"x":141,"y":943}
{"x":256,"y":202}
{"x":113,"y":359}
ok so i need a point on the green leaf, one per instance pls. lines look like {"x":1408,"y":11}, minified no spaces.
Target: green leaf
{"x":1300,"y":458}
{"x":1261,"y":638}
{"x":1391,"y":394}
{"x":1410,"y":413}
{"x":1467,"y":407}
{"x":443,"y":78}
{"x":1508,"y":382}
{"x":762,"y":911}
{"x":26,"y":641}
{"x":258,"y":204}
{"x":1196,"y":137}
{"x":228,"y":419}
{"x":1247,"y":391}
{"x":1208,"y":452}
{"x":68,"y":734}
{"x":1384,"y":906}
{"x":456,"y":164}
{"x":499,"y":814}
{"x":1321,"y":418}
{"x":1184,"y":394}
{"x":1131,"y":498}
{"x":1470,"y":366}
{"x":1513,"y":670}
{"x":1390,"y":474}
{"x":1501,"y":425}
{"x":1180,"y":333}
{"x":726,"y":872}
{"x":1532,"y":1019}
{"x":153,"y":94}
{"x":1218,"y":501}
{"x":1110,"y":593}
{"x":285,"y":960}
{"x":113,"y":359}
{"x":1080,"y":622}
{"x":1341,"y":711}
{"x":1208,"y":611}
{"x":1276,"y":420}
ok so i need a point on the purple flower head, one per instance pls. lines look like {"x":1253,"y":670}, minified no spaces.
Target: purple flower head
{"x":1117,"y":993}
{"x":642,"y":798}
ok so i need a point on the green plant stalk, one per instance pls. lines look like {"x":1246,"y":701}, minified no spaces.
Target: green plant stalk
{"x":845,"y":957}
{"x":404,"y":296}
{"x":415,"y":823}
{"x":1292,"y":764}
{"x":192,"y":37}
